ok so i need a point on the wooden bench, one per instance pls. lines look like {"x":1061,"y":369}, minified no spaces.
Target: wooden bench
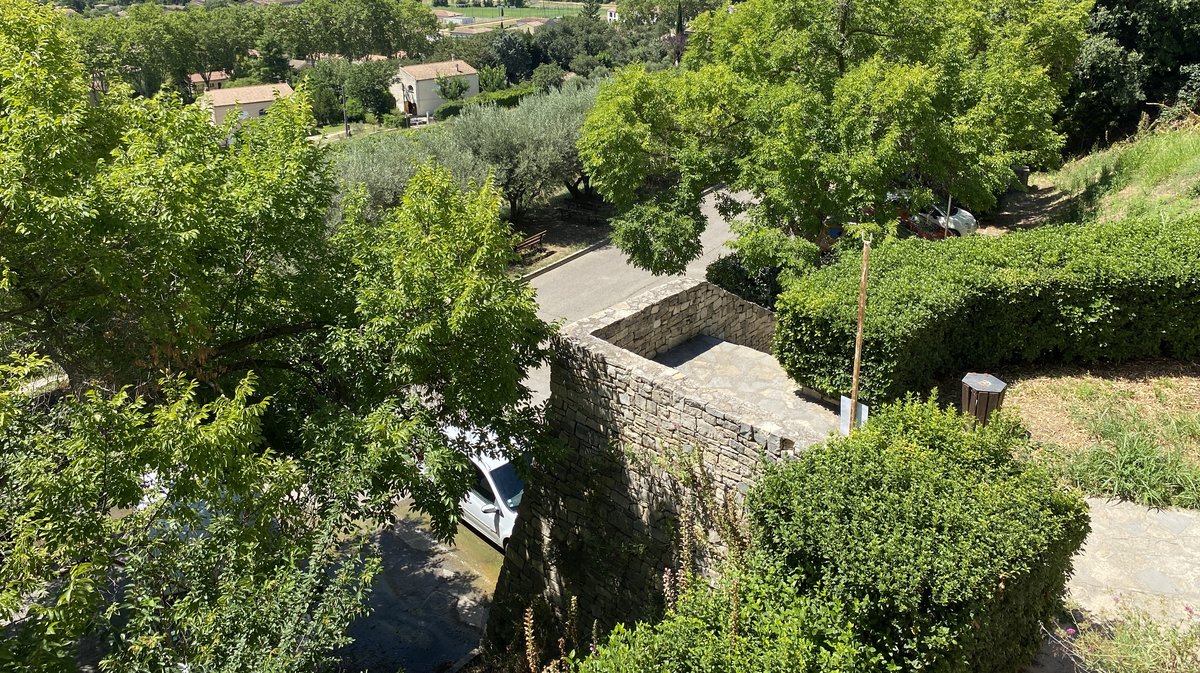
{"x":531,"y":244}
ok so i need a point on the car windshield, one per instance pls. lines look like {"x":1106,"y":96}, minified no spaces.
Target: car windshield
{"x":509,"y":485}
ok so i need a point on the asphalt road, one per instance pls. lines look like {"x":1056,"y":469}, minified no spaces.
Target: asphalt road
{"x":604,"y":277}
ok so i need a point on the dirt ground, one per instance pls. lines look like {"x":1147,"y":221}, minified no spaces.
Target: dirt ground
{"x":1044,"y":397}
{"x":1042,"y":204}
{"x":570,"y":225}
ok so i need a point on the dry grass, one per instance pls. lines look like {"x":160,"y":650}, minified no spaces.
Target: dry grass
{"x":1048,"y":400}
{"x":1131,"y":430}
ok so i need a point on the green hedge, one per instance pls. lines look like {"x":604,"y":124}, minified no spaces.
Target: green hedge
{"x":510,"y":97}
{"x":1101,"y":292}
{"x":915,"y":544}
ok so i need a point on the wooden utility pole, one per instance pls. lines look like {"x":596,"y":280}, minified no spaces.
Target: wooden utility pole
{"x":858,"y":338}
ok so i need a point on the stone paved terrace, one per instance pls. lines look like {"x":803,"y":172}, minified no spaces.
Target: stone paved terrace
{"x":752,"y":377}
{"x":1138,"y":556}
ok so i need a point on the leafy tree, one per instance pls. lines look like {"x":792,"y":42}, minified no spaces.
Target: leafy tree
{"x":565,"y":41}
{"x":251,"y":379}
{"x":370,"y":82}
{"x":1134,"y":55}
{"x":513,"y":51}
{"x":220,"y":36}
{"x":548,"y":77}
{"x":662,"y":11}
{"x":531,"y":149}
{"x":356,"y":28}
{"x":822,"y":109}
{"x":366,"y":83}
{"x":492,"y":78}
{"x":591,"y":10}
{"x":478,"y":50}
{"x":272,"y":64}
{"x":558,"y":117}
{"x":204,"y":512}
{"x":382,"y":165}
{"x":452,"y":88}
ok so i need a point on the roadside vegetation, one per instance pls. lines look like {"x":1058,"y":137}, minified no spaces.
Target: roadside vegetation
{"x":1156,"y":174}
{"x":216,"y":386}
{"x":894,"y":549}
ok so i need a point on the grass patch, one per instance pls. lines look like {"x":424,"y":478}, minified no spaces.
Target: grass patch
{"x":1153,"y":174}
{"x":531,"y":9}
{"x":1131,"y":432}
{"x":1133,"y":642}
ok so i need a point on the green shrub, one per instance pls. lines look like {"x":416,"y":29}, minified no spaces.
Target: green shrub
{"x":450,"y":108}
{"x":1102,"y":292}
{"x":775,"y":629}
{"x":915,"y":544}
{"x":510,"y":97}
{"x":948,"y":552}
{"x":763,"y":261}
{"x":729,"y":273}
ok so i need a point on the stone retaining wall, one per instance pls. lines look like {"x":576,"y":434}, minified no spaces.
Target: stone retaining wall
{"x":601,"y":523}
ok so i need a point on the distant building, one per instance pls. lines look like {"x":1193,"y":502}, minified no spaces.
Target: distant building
{"x":454,"y":18}
{"x":415,"y":88}
{"x":468,"y":30}
{"x":530,"y":24}
{"x":253,"y":100}
{"x":216,"y":80}
{"x":527,"y":24}
{"x":612,"y":15}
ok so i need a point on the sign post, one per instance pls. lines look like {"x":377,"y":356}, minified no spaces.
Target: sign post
{"x":858,"y":338}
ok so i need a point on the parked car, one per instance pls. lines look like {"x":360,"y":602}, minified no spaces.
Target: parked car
{"x":490,"y":506}
{"x":923,"y":228}
{"x":959,"y":223}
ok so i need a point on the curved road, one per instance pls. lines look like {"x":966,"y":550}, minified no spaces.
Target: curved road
{"x":604,"y":277}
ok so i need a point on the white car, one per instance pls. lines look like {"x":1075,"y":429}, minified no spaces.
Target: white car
{"x":490,"y":506}
{"x":960,"y":221}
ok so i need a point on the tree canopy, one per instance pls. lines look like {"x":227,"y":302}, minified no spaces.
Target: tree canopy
{"x":822,"y":109}
{"x":219,"y":384}
{"x":1135,"y":54}
{"x":152,"y":48}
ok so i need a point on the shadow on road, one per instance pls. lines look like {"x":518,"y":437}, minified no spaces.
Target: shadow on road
{"x":427,"y":607}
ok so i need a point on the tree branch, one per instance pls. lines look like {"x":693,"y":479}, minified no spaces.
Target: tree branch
{"x":267,"y":335}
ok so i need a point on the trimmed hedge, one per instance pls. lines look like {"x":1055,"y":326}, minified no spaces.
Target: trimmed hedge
{"x":1101,"y":292}
{"x":915,"y":544}
{"x":949,"y":551}
{"x":510,"y":97}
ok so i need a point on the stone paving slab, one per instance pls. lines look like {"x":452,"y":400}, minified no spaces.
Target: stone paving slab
{"x":753,"y":377}
{"x":1141,"y":557}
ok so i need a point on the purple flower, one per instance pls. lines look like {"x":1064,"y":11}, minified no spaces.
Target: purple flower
{"x":1071,"y":632}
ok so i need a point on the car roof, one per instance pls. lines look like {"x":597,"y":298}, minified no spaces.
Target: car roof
{"x":474,"y":438}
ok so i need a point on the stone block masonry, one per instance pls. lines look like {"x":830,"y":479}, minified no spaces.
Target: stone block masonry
{"x":601,"y":523}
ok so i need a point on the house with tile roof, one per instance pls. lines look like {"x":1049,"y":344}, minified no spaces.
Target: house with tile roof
{"x":415,"y":87}
{"x":252,"y":101}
